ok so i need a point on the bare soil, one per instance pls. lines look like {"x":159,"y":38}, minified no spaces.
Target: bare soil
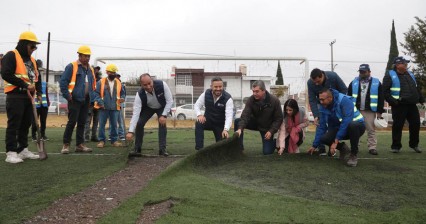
{"x":94,"y":202}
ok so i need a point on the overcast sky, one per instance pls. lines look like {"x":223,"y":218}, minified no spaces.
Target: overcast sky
{"x":299,"y":28}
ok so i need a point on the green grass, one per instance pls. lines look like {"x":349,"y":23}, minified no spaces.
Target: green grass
{"x":388,"y":188}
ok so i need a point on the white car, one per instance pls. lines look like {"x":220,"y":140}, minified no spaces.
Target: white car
{"x":185,"y":112}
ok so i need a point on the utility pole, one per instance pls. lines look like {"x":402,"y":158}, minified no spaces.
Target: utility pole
{"x":332,"y":63}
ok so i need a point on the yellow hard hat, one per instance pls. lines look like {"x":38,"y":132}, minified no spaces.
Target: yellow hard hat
{"x":28,"y":35}
{"x":111,"y":68}
{"x":84,"y":50}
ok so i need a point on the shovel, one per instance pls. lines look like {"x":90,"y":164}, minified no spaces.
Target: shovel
{"x":40,"y":144}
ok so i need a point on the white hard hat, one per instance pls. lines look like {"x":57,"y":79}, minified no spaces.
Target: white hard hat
{"x":380,"y":123}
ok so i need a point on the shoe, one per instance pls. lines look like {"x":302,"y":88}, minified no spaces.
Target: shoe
{"x":322,"y":152}
{"x":82,"y":148}
{"x":353,"y":160}
{"x":12,"y":157}
{"x":25,"y":154}
{"x":395,"y":150}
{"x":65,"y":149}
{"x":373,"y":152}
{"x":135,"y":154}
{"x":101,"y":144}
{"x":344,"y":150}
{"x":45,"y":138}
{"x":163,"y":153}
{"x":34,"y":138}
{"x":94,"y":139}
{"x":109,"y":139}
{"x":417,"y":149}
{"x":117,"y":144}
{"x":122,"y":138}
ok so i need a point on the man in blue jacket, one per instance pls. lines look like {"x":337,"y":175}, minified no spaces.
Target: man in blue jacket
{"x":339,"y":120}
{"x":319,"y":80}
{"x":77,"y":85}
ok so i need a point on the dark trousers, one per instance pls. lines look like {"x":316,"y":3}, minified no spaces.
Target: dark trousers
{"x":19,"y":111}
{"x":287,"y":140}
{"x":208,"y":125}
{"x":77,"y":114}
{"x":354,"y":132}
{"x":42,"y":115}
{"x":268,"y":146}
{"x":145,"y":115}
{"x":92,"y":117}
{"x":400,"y":113}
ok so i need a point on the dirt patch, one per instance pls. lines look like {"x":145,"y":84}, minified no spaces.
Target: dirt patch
{"x":94,"y":202}
{"x":154,"y":211}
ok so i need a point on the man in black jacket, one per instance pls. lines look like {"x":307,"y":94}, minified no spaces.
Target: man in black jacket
{"x":263,"y":113}
{"x":402,"y":93}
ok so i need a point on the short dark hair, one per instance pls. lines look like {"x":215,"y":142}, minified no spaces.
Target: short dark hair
{"x":216,"y":79}
{"x":316,"y":72}
{"x":260,"y":84}
{"x":323,"y":90}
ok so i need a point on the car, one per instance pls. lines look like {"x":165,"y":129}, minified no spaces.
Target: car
{"x":185,"y":112}
{"x":62,"y":109}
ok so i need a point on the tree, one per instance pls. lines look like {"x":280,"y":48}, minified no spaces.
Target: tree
{"x":393,"y":51}
{"x":415,"y":45}
{"x":279,"y":80}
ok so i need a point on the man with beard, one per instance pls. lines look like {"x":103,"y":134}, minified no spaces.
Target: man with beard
{"x":402,"y":93}
{"x":263,"y":113}
{"x":77,"y":85}
{"x":20,"y":74}
{"x":154,"y":97}
{"x":109,"y":95}
{"x":368,"y":98}
{"x":218,"y":114}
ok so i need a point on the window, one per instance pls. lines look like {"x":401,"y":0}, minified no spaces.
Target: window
{"x":184,"y":80}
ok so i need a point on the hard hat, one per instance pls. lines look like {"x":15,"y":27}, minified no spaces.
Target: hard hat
{"x":111,"y":68}
{"x":380,"y":123}
{"x":28,"y":35}
{"x":84,"y":50}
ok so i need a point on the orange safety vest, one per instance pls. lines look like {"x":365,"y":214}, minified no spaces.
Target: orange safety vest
{"x":21,"y":72}
{"x":74,"y":76}
{"x":118,"y":90}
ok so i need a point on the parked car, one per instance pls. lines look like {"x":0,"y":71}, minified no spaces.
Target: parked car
{"x":185,"y":112}
{"x":62,"y":108}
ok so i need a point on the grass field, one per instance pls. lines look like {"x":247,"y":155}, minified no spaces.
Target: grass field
{"x":388,"y":188}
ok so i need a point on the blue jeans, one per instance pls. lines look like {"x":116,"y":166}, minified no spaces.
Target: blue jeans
{"x":121,"y":131}
{"x":103,"y":116}
{"x":268,"y":146}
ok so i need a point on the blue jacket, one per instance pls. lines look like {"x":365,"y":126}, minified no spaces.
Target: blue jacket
{"x":332,"y":81}
{"x":80,"y":81}
{"x":338,"y":115}
{"x":109,"y":102}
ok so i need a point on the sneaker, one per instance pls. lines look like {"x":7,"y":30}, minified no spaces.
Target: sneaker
{"x":353,"y":160}
{"x":373,"y":152}
{"x":26,"y":154}
{"x":12,"y":157}
{"x":65,"y":148}
{"x":395,"y":150}
{"x":44,"y":138}
{"x":135,"y":154}
{"x":117,"y":144}
{"x":82,"y":148}
{"x":122,"y":139}
{"x":109,"y":139}
{"x":344,"y":151}
{"x":163,"y":153}
{"x":34,"y":138}
{"x":322,"y":152}
{"x":417,"y":149}
{"x":101,"y":144}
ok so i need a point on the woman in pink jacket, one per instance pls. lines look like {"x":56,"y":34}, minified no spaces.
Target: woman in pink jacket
{"x":291,"y":132}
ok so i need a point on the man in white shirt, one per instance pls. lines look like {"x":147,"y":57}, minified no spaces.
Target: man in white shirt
{"x":154,"y":97}
{"x":218,"y":116}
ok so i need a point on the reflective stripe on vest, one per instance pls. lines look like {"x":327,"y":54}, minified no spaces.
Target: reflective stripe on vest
{"x":374,"y":92}
{"x":74,"y":77}
{"x":117,"y":90}
{"x":43,"y":96}
{"x":357,"y":115}
{"x":396,"y":86}
{"x":21,"y":72}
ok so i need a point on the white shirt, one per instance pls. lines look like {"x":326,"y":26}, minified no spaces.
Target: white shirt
{"x":151,"y":101}
{"x":229,"y":110}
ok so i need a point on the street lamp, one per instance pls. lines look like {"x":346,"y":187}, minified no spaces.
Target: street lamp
{"x":331,"y":45}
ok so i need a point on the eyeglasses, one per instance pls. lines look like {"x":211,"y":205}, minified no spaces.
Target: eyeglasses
{"x":33,"y":47}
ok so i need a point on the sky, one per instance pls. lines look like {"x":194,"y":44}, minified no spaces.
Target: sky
{"x":249,"y":28}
